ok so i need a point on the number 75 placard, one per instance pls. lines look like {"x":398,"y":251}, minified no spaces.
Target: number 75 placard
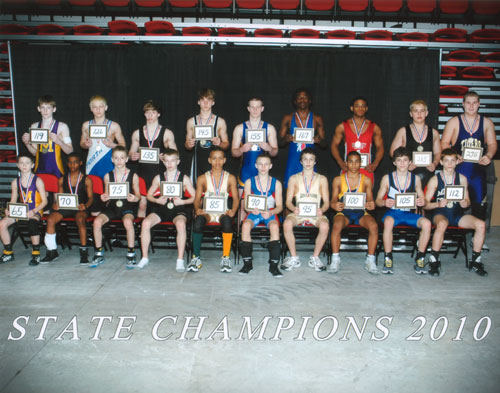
{"x":117,"y":190}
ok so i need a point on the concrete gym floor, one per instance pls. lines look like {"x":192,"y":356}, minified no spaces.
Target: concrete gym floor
{"x":422,"y":334}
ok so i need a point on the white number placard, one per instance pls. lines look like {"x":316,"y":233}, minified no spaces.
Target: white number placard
{"x":472,"y":154}
{"x":149,"y":155}
{"x":258,"y":202}
{"x":214,"y":204}
{"x":171,"y":189}
{"x":203,"y":132}
{"x":39,"y":135}
{"x":303,"y":135}
{"x":364,"y":159}
{"x":308,"y":209}
{"x":19,"y":211}
{"x":422,"y":158}
{"x":406,"y":200}
{"x":117,"y":190}
{"x":98,"y":131}
{"x":256,"y":136}
{"x":354,"y":200}
{"x":454,"y":193}
{"x":67,"y":201}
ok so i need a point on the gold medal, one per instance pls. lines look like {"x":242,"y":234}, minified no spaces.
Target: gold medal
{"x":119,"y":203}
{"x":420,"y":148}
{"x":449,"y":205}
{"x":170,"y":205}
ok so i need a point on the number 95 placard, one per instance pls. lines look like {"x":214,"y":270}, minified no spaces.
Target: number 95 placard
{"x":308,"y":209}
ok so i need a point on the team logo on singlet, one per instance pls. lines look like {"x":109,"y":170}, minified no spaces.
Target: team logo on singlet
{"x":471,"y":142}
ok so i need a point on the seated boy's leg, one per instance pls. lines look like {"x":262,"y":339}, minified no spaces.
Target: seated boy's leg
{"x":479,"y":226}
{"x":387,"y":235}
{"x":370,"y":224}
{"x":425,"y":233}
{"x":149,"y":222}
{"x":290,"y":222}
{"x":52,"y":221}
{"x":441,"y":223}
{"x":128,"y":223}
{"x":81,"y":223}
{"x":246,"y":246}
{"x":50,"y":237}
{"x":340,"y":221}
{"x":274,"y":229}
{"x":198,"y":225}
{"x":323,"y":226}
{"x":34,"y":232}
{"x":8,"y":253}
{"x":180,"y":226}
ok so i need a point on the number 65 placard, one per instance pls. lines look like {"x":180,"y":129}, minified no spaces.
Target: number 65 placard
{"x":67,"y":201}
{"x":214,"y":204}
{"x":354,"y":200}
{"x":117,"y":190}
{"x":308,"y":209}
{"x":171,"y":189}
{"x":406,"y":200}
{"x":19,"y":211}
{"x":258,"y":202}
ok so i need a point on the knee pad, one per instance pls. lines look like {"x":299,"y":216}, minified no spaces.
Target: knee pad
{"x":226,"y":224}
{"x":33,"y":228}
{"x":246,"y":249}
{"x":199,"y":224}
{"x":274,"y":250}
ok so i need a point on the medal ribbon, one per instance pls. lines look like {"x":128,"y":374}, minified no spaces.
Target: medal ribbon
{"x":217,"y":187}
{"x":396,"y":181}
{"x":303,"y":145}
{"x":349,"y":187}
{"x":177,"y":173}
{"x":259,"y":185}
{"x":308,"y":187}
{"x":123,"y":177}
{"x":24,"y":196}
{"x":443,"y":176}
{"x":419,"y":134}
{"x":77,"y":183}
{"x":208,"y":120}
{"x":467,"y":127}
{"x":155,"y":134}
{"x":358,"y":132}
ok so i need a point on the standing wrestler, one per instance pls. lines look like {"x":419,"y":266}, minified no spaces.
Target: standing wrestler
{"x":249,"y":151}
{"x":359,"y":134}
{"x":99,"y":155}
{"x":306,"y":186}
{"x":419,"y":137}
{"x":74,"y":182}
{"x":48,"y":155}
{"x":201,"y":148}
{"x":301,"y":118}
{"x":163,"y":208}
{"x":215,"y":182}
{"x":152,"y":135}
{"x":471,"y":130}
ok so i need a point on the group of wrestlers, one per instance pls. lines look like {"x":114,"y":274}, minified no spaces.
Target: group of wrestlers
{"x":415,"y":194}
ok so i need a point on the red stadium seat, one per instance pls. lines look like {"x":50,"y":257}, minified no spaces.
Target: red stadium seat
{"x":231,"y":32}
{"x":464,"y":55}
{"x":48,"y":2}
{"x":492,"y":57}
{"x":452,"y":91}
{"x":448,"y":72}
{"x":353,"y":5}
{"x":6,"y":121}
{"x":87,"y":30}
{"x":453,"y":6}
{"x":284,"y":4}
{"x":50,"y":29}
{"x":341,"y":35}
{"x":379,"y":35}
{"x":122,"y":27}
{"x":6,"y":103}
{"x":149,"y":3}
{"x":421,"y":6}
{"x":196,"y":31}
{"x":320,"y":5}
{"x":485,"y":7}
{"x":269,"y":33}
{"x":183,"y":3}
{"x":97,"y":184}
{"x":250,"y":4}
{"x":4,"y":85}
{"x":14,"y":29}
{"x":450,"y":35}
{"x":387,"y":5}
{"x":217,"y":3}
{"x":116,"y":3}
{"x":4,"y":66}
{"x":485,"y":35}
{"x":50,"y":182}
{"x":304,"y":33}
{"x":159,"y":27}
{"x":443,"y":109}
{"x":477,"y":73}
{"x":82,"y":3}
{"x":415,"y":36}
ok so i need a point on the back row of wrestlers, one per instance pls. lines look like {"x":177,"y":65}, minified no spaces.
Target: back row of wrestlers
{"x":306,"y":186}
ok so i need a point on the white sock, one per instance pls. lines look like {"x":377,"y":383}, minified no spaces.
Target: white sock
{"x":50,"y":241}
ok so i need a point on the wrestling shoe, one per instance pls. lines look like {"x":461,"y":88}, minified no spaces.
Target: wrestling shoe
{"x":334,"y":265}
{"x":478,"y":267}
{"x":420,"y":266}
{"x":274,"y":270}
{"x":131,"y":260}
{"x":370,"y":264}
{"x":35,"y":260}
{"x":194,"y":264}
{"x":434,"y":265}
{"x":142,"y":263}
{"x":316,"y":263}
{"x":225,"y":265}
{"x":247,"y":266}
{"x":84,"y":256}
{"x":51,"y":255}
{"x":97,"y":260}
{"x":7,"y":258}
{"x":291,"y":263}
{"x":179,"y":266}
{"x":388,"y":268}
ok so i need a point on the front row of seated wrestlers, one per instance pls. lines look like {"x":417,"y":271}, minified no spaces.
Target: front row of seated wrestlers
{"x":305,"y":186}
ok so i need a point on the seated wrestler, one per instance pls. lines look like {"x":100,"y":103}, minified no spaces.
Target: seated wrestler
{"x":402,"y":181}
{"x":214,"y":183}
{"x":263,"y":185}
{"x":163,"y":208}
{"x":306,"y":186}
{"x":353,"y":181}
{"x":74,"y":182}
{"x":451,"y":212}
{"x":28,"y":189}
{"x":118,"y":209}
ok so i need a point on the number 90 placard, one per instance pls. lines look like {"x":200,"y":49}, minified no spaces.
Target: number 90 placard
{"x":258,"y":202}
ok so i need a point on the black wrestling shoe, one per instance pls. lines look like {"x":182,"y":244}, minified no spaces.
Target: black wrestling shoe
{"x":35,"y":260}
{"x":478,"y":267}
{"x":51,"y":255}
{"x":84,"y":256}
{"x":434,"y":265}
{"x":247,"y":267}
{"x":7,"y":258}
{"x":274,"y":270}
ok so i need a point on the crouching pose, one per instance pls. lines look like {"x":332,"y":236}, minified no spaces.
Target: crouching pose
{"x":451,"y":212}
{"x":262,"y":185}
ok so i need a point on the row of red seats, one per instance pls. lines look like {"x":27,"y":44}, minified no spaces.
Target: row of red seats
{"x":473,"y":72}
{"x":165,"y":28}
{"x":453,"y":7}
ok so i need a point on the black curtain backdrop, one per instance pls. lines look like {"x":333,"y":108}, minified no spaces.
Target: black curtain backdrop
{"x":129,"y":75}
